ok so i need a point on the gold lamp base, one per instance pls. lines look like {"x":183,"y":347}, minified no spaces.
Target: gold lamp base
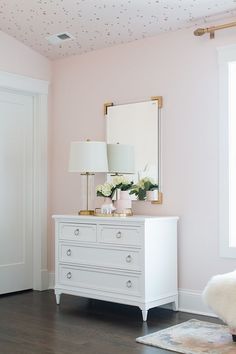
{"x":86,"y":212}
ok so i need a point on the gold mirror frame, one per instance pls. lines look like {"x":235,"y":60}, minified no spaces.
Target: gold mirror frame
{"x":159,"y":101}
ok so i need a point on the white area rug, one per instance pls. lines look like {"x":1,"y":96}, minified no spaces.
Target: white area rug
{"x":193,"y":337}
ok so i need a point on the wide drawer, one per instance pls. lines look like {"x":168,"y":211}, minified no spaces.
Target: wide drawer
{"x":78,"y":232}
{"x":120,"y":235}
{"x":103,"y":257}
{"x":97,"y":280}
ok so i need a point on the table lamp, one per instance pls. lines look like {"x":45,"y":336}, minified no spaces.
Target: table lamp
{"x":88,"y":157}
{"x":120,"y":159}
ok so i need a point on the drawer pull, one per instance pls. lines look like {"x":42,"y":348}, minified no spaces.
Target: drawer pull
{"x":129,"y":284}
{"x":68,"y":252}
{"x":69,"y":275}
{"x":76,"y":232}
{"x":118,"y":235}
{"x":129,"y":259}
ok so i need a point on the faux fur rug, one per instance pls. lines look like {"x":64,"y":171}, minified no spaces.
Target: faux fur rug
{"x":193,"y":337}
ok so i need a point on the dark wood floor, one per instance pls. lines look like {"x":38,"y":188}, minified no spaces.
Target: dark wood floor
{"x":31,"y":323}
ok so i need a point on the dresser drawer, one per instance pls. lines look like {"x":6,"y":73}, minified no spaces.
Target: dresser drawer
{"x":102,"y":257}
{"x":78,"y":232}
{"x":120,"y":235}
{"x":117,"y":283}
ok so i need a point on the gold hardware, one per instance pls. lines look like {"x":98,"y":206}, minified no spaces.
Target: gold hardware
{"x":126,"y":212}
{"x":212,"y":35}
{"x":86,"y":212}
{"x":106,"y":105}
{"x":160,"y":199}
{"x":159,"y":100}
{"x":211,"y":30}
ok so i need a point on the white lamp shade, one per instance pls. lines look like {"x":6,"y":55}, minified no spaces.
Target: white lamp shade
{"x":88,"y":156}
{"x":120,"y":158}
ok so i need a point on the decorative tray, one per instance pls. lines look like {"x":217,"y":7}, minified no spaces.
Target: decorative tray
{"x":127,"y":212}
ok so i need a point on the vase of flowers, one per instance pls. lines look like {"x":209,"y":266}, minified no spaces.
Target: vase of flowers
{"x":145,"y":189}
{"x":106,"y":190}
{"x":123,"y":202}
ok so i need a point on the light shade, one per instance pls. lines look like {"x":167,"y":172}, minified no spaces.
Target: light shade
{"x":88,"y":156}
{"x":120,"y":158}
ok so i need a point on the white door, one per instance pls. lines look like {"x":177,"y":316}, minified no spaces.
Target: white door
{"x":16,"y":182}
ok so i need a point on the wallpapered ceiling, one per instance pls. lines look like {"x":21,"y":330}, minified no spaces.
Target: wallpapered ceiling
{"x":97,"y":24}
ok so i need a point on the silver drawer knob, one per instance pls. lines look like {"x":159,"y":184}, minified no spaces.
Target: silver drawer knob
{"x":118,"y":235}
{"x":129,"y":284}
{"x":68,"y":252}
{"x":76,"y":232}
{"x":69,"y":275}
{"x":129,"y":259}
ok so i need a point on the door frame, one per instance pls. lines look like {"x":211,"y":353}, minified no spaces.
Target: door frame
{"x":38,"y":89}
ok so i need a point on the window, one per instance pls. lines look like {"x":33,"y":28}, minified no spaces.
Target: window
{"x":227,"y":151}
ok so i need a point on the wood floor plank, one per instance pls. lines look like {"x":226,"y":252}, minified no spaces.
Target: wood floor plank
{"x":32,"y":323}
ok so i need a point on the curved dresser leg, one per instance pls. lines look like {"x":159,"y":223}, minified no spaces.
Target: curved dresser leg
{"x":144,"y":314}
{"x":175,"y":304}
{"x":58,"y":297}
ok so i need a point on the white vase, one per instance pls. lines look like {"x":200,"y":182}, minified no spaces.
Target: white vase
{"x":124,"y":202}
{"x":152,"y":195}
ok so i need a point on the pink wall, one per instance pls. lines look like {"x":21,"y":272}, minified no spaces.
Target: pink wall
{"x":183,"y":69}
{"x":19,"y":59}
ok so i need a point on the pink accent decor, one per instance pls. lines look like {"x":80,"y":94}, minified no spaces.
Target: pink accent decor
{"x":152,"y":195}
{"x":124,"y":202}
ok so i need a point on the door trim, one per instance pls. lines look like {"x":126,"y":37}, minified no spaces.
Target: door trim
{"x":39,"y":91}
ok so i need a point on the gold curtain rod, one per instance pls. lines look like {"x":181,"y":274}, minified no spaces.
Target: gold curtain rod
{"x":211,"y":30}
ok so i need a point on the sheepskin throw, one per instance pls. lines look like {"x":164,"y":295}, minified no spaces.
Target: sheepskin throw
{"x":220,"y":296}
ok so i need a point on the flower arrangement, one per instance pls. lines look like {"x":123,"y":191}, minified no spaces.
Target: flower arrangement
{"x":122,"y":183}
{"x":106,"y":190}
{"x":140,"y":189}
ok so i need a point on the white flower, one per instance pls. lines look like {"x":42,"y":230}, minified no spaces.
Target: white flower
{"x":106,"y":189}
{"x":144,"y":180}
{"x":99,"y":188}
{"x":119,"y":180}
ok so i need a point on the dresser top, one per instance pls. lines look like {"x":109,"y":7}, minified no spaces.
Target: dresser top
{"x":140,"y":218}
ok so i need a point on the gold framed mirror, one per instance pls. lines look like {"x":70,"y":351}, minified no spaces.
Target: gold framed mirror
{"x":138,"y":124}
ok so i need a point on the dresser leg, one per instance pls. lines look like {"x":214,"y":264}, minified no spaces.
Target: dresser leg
{"x":58,"y":297}
{"x":175,"y":304}
{"x":144,"y":313}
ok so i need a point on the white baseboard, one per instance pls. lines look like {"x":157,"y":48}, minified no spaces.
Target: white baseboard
{"x":51,"y":280}
{"x":41,"y":282}
{"x":189,"y":300}
{"x":44,"y":277}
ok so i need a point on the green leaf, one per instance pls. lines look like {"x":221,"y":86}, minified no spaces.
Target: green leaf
{"x":141,"y":194}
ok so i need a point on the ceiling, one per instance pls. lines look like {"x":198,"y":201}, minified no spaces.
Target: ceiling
{"x":97,"y":24}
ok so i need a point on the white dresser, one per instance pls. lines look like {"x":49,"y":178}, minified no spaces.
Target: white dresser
{"x":130,"y":260}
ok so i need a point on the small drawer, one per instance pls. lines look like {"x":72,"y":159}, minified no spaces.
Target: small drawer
{"x":78,"y":232}
{"x":96,"y":280}
{"x":120,"y":235}
{"x":103,"y":257}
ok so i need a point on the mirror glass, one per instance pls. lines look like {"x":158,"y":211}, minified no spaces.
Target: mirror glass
{"x":137,"y":124}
